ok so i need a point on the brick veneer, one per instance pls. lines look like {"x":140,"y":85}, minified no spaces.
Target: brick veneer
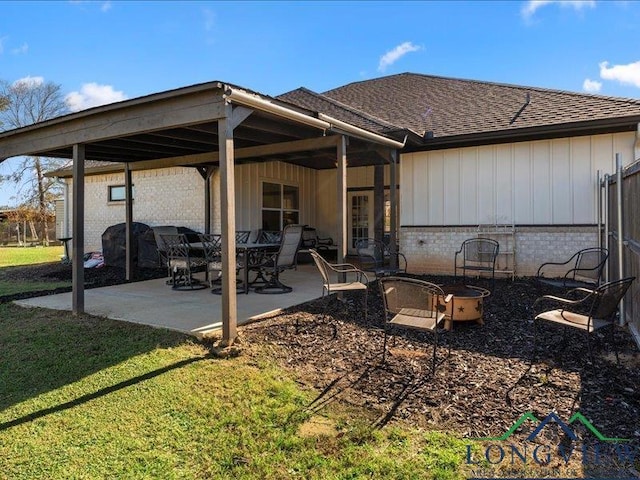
{"x":432,"y":249}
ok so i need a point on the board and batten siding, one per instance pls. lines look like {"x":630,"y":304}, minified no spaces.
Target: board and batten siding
{"x":546,"y":188}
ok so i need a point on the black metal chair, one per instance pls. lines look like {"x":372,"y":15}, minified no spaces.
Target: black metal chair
{"x":595,"y":309}
{"x":269,"y":236}
{"x":583,"y":269}
{"x":242,"y":236}
{"x":181,"y":263}
{"x":358,"y":283}
{"x":212,"y":246}
{"x":377,"y":257}
{"x":413,"y":304}
{"x":477,"y":255}
{"x":273,"y":265}
{"x":163,"y":259}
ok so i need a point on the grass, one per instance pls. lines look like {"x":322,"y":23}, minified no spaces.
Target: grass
{"x":85,"y":397}
{"x":13,"y":256}
{"x":19,"y":256}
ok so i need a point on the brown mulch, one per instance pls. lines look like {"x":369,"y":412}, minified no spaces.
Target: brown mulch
{"x":483,"y":383}
{"x":480,"y":388}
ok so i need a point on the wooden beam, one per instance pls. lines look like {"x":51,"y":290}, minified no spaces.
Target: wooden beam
{"x":171,"y":112}
{"x":228,"y":207}
{"x":128,"y":221}
{"x":77,"y":242}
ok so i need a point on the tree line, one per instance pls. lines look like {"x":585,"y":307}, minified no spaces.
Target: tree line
{"x":23,"y":103}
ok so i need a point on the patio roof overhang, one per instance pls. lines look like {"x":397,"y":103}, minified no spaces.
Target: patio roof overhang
{"x":204,"y":126}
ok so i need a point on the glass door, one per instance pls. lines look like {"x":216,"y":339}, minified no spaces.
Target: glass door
{"x":359,"y":218}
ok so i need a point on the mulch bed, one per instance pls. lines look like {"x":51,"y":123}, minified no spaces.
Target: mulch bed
{"x":479,"y":389}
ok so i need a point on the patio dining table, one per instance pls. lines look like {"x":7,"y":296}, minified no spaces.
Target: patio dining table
{"x":251,"y":253}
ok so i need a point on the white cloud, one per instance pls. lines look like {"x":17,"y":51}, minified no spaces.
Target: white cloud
{"x":93,"y":95}
{"x":591,"y":86}
{"x":394,"y":55}
{"x":628,"y":74}
{"x":29,"y":81}
{"x":532,"y":6}
{"x":24,"y":48}
{"x":106,"y":6}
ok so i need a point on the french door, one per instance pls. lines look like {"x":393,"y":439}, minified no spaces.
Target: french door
{"x":360,"y":218}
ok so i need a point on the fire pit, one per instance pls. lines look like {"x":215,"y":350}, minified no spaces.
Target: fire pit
{"x":466,"y":305}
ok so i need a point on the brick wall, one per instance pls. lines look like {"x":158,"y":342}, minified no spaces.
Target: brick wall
{"x":170,"y":196}
{"x":432,"y":249}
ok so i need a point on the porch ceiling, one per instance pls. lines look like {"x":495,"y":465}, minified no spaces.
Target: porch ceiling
{"x":180,"y":127}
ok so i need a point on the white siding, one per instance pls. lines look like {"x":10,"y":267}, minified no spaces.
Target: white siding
{"x":545,"y":182}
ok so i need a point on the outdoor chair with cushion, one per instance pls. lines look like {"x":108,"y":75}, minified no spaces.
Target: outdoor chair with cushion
{"x":181,"y":263}
{"x":160,"y":244}
{"x":377,"y":257}
{"x":413,"y":304}
{"x":583,"y":269}
{"x":272,"y":265}
{"x":477,"y":255}
{"x":355,"y":280}
{"x":593,"y":310}
{"x":212,"y":246}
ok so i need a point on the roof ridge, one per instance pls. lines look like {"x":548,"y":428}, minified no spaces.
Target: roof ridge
{"x":355,"y":111}
{"x":498,"y":84}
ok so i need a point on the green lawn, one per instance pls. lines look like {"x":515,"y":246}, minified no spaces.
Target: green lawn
{"x":12,"y":256}
{"x":89,"y":398}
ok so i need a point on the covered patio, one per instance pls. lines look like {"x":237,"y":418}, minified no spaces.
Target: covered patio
{"x":209,"y":126}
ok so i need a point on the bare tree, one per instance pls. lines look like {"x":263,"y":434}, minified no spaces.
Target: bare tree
{"x":29,"y":101}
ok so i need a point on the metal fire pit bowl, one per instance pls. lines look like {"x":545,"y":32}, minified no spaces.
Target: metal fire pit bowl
{"x":466,"y":305}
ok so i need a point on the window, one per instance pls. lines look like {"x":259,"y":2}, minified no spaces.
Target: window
{"x":280,"y":205}
{"x":117,"y":193}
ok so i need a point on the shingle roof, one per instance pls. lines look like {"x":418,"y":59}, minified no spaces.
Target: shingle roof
{"x":309,"y":100}
{"x":449,"y":106}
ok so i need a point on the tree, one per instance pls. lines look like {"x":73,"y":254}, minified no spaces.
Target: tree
{"x":27,"y":101}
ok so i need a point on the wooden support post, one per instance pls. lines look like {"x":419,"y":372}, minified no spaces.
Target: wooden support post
{"x":393,"y":193}
{"x":378,"y":202}
{"x":341,"y":196}
{"x":228,"y":208}
{"x":77,"y":260}
{"x":128,"y":192}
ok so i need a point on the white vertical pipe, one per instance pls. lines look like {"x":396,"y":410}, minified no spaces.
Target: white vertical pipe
{"x":620,"y":229}
{"x":599,"y":206}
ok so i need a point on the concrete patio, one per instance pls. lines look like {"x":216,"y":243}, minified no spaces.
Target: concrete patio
{"x":195,"y":312}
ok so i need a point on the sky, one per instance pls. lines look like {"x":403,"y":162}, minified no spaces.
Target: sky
{"x":106,"y":51}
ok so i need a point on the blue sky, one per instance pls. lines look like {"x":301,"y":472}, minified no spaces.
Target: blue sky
{"x":105,"y":51}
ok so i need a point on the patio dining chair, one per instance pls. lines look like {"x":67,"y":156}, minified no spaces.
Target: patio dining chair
{"x":161,"y":246}
{"x":376,"y":257}
{"x":583,"y":269}
{"x":594,"y":310}
{"x":413,"y":304}
{"x":269,"y":236}
{"x":212,"y":246}
{"x":181,"y":263}
{"x":242,"y":236}
{"x":273,"y":265}
{"x":358,"y":282}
